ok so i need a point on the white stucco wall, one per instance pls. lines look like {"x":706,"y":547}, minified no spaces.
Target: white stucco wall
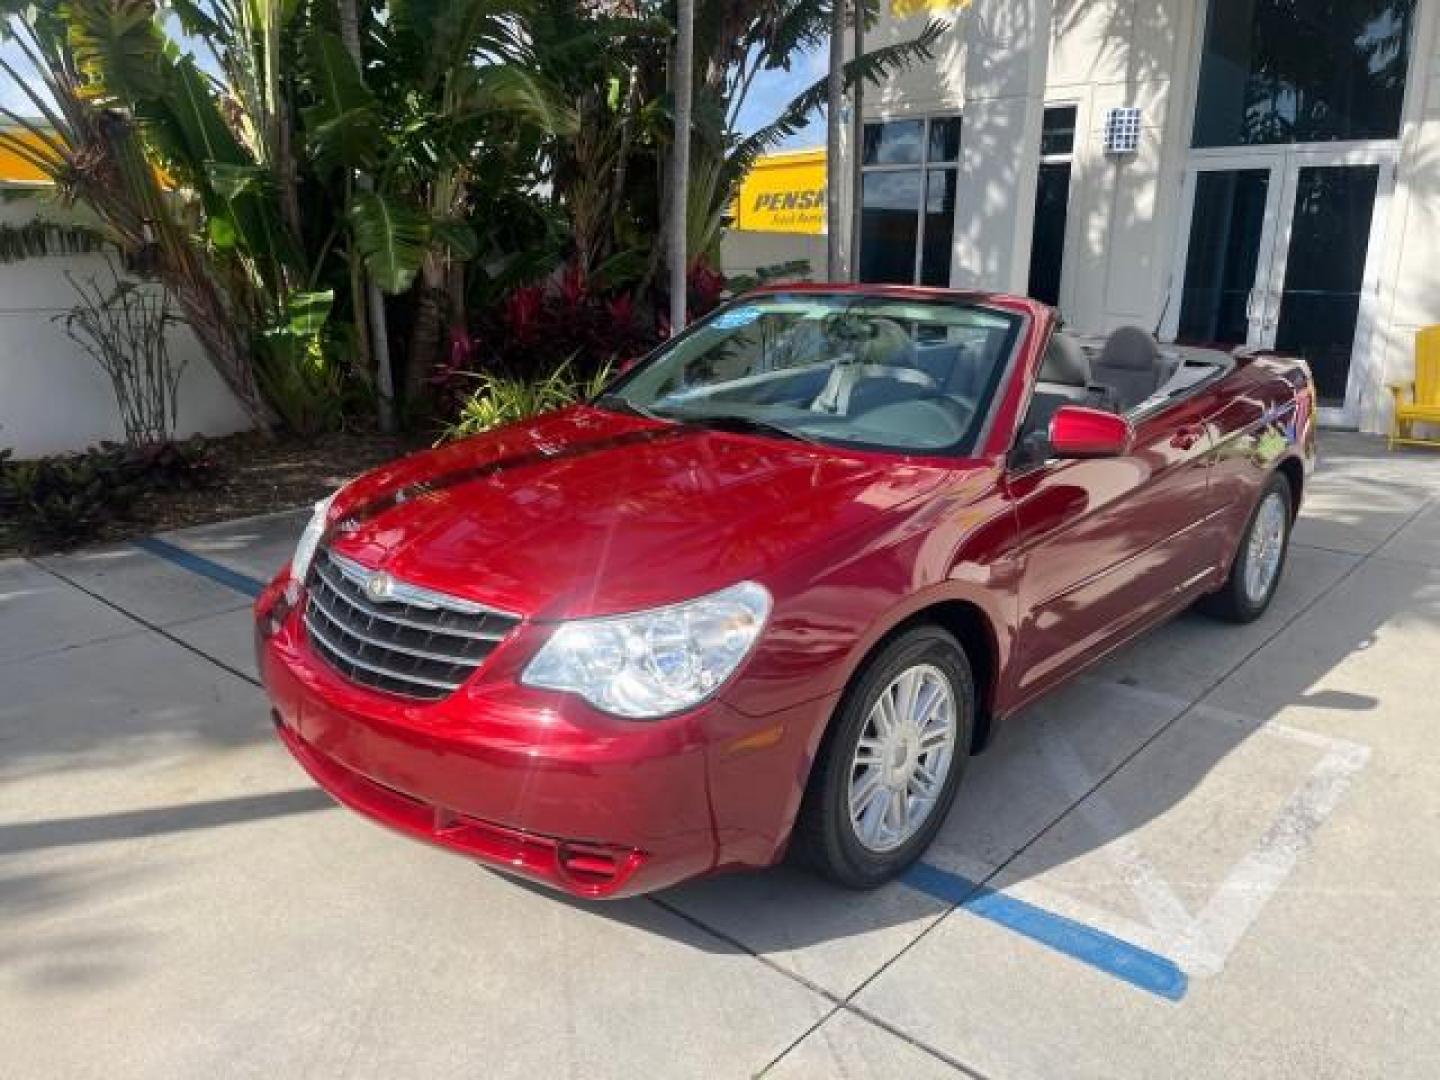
{"x":1410,"y":274}
{"x":53,"y":397}
{"x":745,"y":252}
{"x":1124,"y":220}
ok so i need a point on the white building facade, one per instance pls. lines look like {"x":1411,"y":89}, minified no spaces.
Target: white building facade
{"x":1280,"y":185}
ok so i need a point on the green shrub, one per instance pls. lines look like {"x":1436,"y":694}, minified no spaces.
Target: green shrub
{"x":186,"y":465}
{"x":61,"y":501}
{"x":67,"y":500}
{"x":504,"y":399}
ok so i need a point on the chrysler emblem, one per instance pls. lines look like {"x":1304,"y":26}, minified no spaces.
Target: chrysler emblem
{"x":380,"y":586}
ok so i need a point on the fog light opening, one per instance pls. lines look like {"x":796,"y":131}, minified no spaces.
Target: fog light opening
{"x":596,"y":865}
{"x":586,"y":863}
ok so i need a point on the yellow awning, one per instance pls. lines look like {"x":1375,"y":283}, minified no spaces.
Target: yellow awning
{"x":15,"y":169}
{"x":783,"y":193}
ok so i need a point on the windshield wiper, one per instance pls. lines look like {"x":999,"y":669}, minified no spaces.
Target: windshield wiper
{"x":625,"y":405}
{"x":748,"y":424}
{"x":717,"y":421}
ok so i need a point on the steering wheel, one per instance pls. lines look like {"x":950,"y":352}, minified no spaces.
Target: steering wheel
{"x":911,"y":375}
{"x":882,"y":348}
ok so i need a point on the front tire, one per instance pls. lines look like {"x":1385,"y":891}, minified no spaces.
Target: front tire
{"x":890,"y":765}
{"x":1260,"y":561}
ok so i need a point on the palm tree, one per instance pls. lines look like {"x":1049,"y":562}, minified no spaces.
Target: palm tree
{"x":834,"y":100}
{"x":684,"y":82}
{"x":374,"y":329}
{"x":99,"y":71}
{"x":431,"y":121}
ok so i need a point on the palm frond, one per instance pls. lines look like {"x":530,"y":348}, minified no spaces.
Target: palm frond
{"x":873,"y":68}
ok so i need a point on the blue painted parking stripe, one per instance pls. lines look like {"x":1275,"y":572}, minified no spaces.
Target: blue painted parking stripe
{"x":1137,"y":966}
{"x":198,"y":564}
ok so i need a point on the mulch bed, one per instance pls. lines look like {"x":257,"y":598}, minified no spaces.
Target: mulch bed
{"x":255,"y":476}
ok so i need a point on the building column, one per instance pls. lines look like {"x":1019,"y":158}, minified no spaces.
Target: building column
{"x":1007,"y":50}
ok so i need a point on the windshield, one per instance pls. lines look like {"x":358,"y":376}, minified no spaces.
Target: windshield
{"x":854,"y":370}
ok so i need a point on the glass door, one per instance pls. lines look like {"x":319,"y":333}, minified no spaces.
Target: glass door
{"x":1225,"y":254}
{"x":1280,"y":252}
{"x":1323,"y":279}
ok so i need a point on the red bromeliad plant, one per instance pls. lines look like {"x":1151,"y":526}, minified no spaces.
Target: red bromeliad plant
{"x":566,"y":320}
{"x":706,"y":287}
{"x":521,"y":312}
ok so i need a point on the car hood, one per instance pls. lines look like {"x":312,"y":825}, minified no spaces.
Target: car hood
{"x":588,"y":512}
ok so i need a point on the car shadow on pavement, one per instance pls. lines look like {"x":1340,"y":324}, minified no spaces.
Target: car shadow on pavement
{"x":26,"y":836}
{"x":1028,"y":807}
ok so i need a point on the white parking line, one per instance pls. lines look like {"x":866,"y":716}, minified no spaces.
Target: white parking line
{"x":1201,"y":943}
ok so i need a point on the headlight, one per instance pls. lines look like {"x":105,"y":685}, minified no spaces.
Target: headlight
{"x":310,"y":540}
{"x":655,"y":662}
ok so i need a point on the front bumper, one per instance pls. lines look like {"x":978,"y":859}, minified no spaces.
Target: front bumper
{"x":583,"y":869}
{"x":536,"y":783}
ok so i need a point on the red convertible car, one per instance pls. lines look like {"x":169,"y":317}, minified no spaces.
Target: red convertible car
{"x":772,"y":588}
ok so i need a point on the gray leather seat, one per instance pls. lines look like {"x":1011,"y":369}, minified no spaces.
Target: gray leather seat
{"x":1130,"y":366}
{"x":1065,"y":369}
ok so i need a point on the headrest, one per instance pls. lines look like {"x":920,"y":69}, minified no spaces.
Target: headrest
{"x":888,"y":343}
{"x":1065,"y":362}
{"x":1130,"y":349}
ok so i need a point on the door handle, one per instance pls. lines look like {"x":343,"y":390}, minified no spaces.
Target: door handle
{"x":1271,"y":315}
{"x":1187,"y":437}
{"x":1250,"y":306}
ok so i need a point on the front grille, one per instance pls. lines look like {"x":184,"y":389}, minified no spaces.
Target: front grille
{"x":419,"y":644}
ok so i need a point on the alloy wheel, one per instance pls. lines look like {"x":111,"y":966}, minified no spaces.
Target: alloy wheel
{"x":1266,"y":547}
{"x":902,"y":758}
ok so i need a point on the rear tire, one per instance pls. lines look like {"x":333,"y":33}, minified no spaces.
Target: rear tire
{"x":890,"y":763}
{"x":1260,"y":559}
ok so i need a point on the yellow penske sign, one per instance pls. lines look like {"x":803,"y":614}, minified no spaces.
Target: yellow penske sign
{"x":783,"y":193}
{"x":904,"y":8}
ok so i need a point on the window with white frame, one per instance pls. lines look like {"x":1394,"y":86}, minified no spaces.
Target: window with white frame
{"x":907,"y":200}
{"x":1052,"y":203}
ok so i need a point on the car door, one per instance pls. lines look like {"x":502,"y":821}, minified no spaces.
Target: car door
{"x":1106,"y":544}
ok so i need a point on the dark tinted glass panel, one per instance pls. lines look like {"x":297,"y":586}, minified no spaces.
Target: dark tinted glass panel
{"x":1325,"y":272}
{"x":894,"y":143}
{"x":1057,"y":136}
{"x":1224,"y":250}
{"x":939,"y":227}
{"x":945,"y":139}
{"x":1281,"y":71}
{"x":1047,"y":248}
{"x":890,"y":218}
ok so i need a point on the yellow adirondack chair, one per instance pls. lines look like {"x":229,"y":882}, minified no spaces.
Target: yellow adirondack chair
{"x":1418,"y":402}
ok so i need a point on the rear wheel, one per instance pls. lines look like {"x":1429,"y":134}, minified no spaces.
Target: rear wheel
{"x":1260,"y":560}
{"x":889,"y":767}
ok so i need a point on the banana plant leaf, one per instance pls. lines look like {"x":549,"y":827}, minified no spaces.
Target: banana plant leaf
{"x":457,"y":237}
{"x":343,"y":127}
{"x":118,"y":48}
{"x":392,"y":237}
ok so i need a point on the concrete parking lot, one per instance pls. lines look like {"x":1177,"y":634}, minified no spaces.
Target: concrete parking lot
{"x":1218,"y":854}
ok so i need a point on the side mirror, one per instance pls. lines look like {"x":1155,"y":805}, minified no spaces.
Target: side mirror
{"x":1080,"y":432}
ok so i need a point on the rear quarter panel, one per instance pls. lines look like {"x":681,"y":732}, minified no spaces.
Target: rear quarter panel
{"x":1265,"y":416}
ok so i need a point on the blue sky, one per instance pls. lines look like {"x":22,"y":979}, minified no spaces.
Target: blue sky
{"x":772,"y":91}
{"x":10,"y":95}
